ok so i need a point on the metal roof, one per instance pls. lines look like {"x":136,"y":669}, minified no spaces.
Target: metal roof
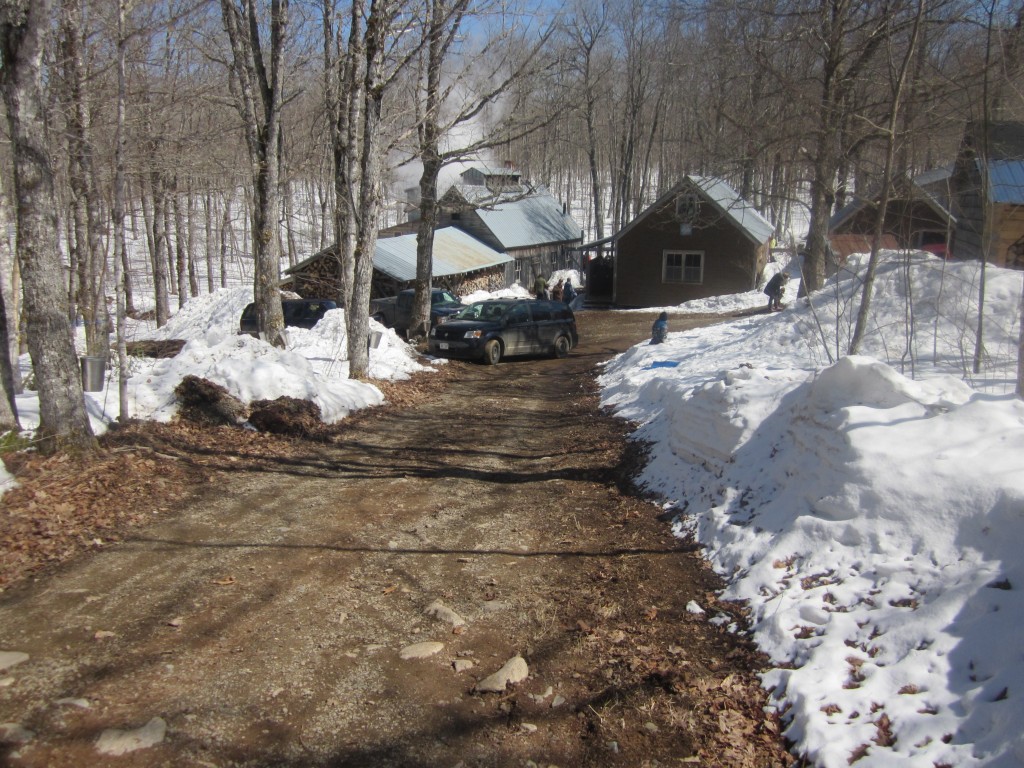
{"x":522,"y":217}
{"x":536,"y":219}
{"x":729,"y":202}
{"x":455,"y":253}
{"x":725,"y":199}
{"x":1006,"y":181}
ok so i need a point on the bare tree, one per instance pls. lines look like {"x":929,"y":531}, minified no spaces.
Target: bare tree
{"x":587,"y":29}
{"x":896,"y":103}
{"x":117,"y":213}
{"x":8,"y":354}
{"x":86,"y":217}
{"x":444,"y":108}
{"x":63,"y":421}
{"x":343,"y":96}
{"x":258,"y":89}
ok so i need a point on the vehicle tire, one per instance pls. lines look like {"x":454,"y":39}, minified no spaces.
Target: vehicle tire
{"x":561,"y":347}
{"x":492,"y":352}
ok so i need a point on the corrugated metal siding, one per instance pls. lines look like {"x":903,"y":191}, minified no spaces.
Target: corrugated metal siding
{"x":455,"y":253}
{"x":1006,"y":181}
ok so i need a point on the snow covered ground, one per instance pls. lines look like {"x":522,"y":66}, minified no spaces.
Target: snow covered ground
{"x":872,"y":522}
{"x":870,"y":510}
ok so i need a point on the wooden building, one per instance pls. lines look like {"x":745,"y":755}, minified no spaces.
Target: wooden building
{"x":461,"y":263}
{"x":914,"y":219}
{"x":699,"y":239}
{"x":520,"y":230}
{"x":520,"y":220}
{"x":988,"y":185}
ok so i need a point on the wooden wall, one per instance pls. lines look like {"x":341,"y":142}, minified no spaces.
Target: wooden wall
{"x":732,"y":263}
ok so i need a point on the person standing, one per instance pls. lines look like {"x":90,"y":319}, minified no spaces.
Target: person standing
{"x":659,"y":331}
{"x":556,"y":292}
{"x":540,"y":287}
{"x":568,"y":292}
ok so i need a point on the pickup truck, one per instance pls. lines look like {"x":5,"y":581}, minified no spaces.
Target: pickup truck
{"x":396,"y":311}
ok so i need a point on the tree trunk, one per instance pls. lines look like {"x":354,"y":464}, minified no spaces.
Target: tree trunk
{"x":63,"y":421}
{"x":225,"y":232}
{"x":117,"y":214}
{"x":158,"y":251}
{"x":8,"y":352}
{"x":370,"y":188}
{"x":89,"y":248}
{"x":259,"y":98}
{"x":180,"y":253}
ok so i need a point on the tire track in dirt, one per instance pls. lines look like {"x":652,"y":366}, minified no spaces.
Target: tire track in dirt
{"x":264,"y":621}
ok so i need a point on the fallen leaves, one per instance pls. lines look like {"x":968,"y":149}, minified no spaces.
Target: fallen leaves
{"x":64,"y":505}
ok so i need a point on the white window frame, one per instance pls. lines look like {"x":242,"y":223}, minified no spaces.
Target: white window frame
{"x":681,"y":280}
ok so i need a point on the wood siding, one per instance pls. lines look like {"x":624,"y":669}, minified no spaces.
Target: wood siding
{"x":732,"y":263}
{"x":904,"y":219}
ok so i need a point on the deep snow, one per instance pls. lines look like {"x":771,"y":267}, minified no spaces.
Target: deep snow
{"x":873,"y":523}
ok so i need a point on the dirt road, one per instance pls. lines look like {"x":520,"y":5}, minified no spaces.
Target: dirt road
{"x":342,"y":603}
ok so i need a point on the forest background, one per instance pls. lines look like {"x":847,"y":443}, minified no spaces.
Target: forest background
{"x":242,"y":136}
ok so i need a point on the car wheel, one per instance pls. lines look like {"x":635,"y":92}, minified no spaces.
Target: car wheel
{"x":492,"y":352}
{"x":561,"y":348}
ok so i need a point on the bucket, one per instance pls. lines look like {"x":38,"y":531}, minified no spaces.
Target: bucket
{"x":93,"y":369}
{"x":373,"y":340}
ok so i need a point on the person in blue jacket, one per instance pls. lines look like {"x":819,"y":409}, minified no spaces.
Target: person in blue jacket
{"x":659,"y":331}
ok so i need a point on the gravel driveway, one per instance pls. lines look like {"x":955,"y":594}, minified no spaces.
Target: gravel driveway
{"x":465,"y":580}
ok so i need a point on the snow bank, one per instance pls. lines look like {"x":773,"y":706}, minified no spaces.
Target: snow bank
{"x":871,"y":522}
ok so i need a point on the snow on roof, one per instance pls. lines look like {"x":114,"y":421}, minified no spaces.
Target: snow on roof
{"x":455,"y":252}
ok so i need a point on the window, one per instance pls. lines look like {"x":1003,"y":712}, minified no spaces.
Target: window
{"x":687,"y":207}
{"x":682,"y":267}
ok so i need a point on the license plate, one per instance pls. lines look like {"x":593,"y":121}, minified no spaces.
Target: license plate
{"x":443,"y":345}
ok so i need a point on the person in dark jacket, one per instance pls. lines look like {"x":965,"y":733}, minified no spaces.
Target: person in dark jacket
{"x":568,"y":292}
{"x":659,"y":331}
{"x":775,"y":290}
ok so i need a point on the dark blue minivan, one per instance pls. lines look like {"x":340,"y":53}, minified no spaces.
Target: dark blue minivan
{"x":497,"y":328}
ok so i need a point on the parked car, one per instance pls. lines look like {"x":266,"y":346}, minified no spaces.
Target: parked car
{"x":396,"y":311}
{"x":496,"y":328}
{"x":298,"y":313}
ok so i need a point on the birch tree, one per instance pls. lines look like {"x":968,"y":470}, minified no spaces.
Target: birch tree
{"x":63,"y":421}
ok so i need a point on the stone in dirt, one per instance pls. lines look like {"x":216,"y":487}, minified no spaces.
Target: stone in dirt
{"x":514,"y":671}
{"x":10,"y":659}
{"x":115,"y":742}
{"x":15,"y":733}
{"x":440,"y":611}
{"x":421,"y":650}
